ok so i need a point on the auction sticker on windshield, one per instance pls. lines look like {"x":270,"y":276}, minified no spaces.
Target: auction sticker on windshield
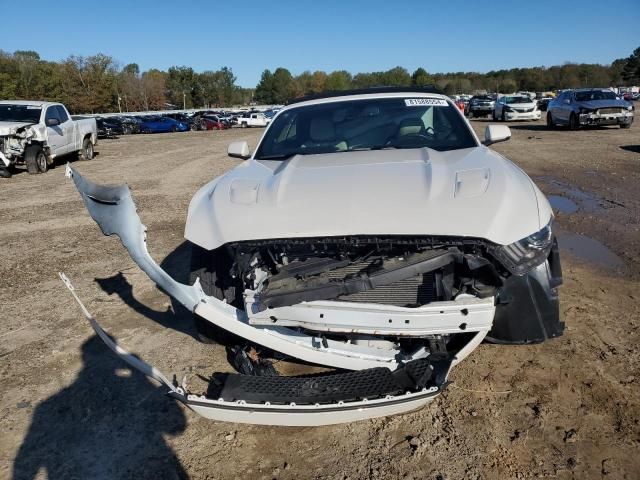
{"x":429,"y":102}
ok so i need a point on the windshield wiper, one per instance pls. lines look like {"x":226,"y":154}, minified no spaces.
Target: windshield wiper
{"x":280,"y":156}
{"x":374,"y":147}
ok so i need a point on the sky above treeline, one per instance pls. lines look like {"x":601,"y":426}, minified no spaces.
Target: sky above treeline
{"x":357,"y":36}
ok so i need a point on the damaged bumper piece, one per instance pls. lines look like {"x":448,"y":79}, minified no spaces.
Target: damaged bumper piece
{"x":607,"y":116}
{"x":381,"y":378}
{"x":298,"y":401}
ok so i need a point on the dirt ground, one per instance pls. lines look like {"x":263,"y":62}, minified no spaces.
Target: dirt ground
{"x":568,"y":408}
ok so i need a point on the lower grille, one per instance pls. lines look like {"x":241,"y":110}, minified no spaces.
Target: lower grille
{"x":610,"y":110}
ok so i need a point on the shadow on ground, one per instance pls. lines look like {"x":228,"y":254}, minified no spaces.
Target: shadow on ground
{"x":109,"y":423}
{"x":177,"y":265}
{"x":631,"y":148}
{"x":531,"y":128}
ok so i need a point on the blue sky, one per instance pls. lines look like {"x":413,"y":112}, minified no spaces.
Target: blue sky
{"x":373,"y":35}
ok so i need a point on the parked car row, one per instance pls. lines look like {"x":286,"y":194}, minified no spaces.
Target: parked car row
{"x":113,"y":126}
{"x":570,"y":108}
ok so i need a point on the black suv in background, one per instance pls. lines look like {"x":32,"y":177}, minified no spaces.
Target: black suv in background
{"x":480,"y":106}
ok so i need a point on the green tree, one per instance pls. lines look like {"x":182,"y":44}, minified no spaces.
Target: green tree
{"x":154,"y":89}
{"x":420,"y":77}
{"x":338,"y":80}
{"x":182,"y":86}
{"x":28,"y":62}
{"x":365,"y":80}
{"x":88,"y":83}
{"x":226,"y":85}
{"x":264,"y":92}
{"x":283,"y":86}
{"x":397,"y":76}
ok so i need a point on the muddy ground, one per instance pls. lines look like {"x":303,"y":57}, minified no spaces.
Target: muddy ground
{"x":568,"y":408}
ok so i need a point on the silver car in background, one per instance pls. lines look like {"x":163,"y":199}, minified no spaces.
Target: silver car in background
{"x":589,"y":106}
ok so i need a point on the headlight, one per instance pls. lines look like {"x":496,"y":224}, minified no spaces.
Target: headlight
{"x":523,"y":255}
{"x":508,"y":109}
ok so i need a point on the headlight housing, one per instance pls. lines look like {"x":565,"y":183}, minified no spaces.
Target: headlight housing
{"x":508,"y":109}
{"x":527,"y":253}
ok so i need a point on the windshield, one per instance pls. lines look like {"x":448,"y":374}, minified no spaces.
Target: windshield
{"x":509,"y":100}
{"x":595,"y":95}
{"x":20,"y":113}
{"x":372,"y":124}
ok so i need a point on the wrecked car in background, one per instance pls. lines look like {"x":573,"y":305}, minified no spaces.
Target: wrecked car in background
{"x":370,"y":232}
{"x":35,"y":133}
{"x":589,"y":107}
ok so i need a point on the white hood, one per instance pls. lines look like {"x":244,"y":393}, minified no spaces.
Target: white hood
{"x":10,"y":128}
{"x":471,"y":193}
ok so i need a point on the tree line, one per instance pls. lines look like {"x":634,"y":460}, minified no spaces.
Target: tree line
{"x":97,"y":83}
{"x":278,"y":86}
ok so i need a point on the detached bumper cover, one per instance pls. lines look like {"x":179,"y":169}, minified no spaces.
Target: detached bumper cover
{"x":328,"y":399}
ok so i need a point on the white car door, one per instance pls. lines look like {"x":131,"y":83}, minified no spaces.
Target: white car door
{"x":55,"y":132}
{"x":67,"y":126}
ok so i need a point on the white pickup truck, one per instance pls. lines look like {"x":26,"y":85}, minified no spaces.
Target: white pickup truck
{"x":35,"y":133}
{"x":253,"y":120}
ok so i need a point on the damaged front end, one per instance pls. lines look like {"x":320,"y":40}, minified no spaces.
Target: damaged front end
{"x":391,"y":314}
{"x":14,"y":141}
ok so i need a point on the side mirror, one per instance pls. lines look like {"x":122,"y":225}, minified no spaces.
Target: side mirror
{"x":496,"y":133}
{"x":52,"y":122}
{"x":239,"y":150}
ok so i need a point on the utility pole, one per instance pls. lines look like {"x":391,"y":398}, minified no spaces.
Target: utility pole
{"x":119,"y":108}
{"x":184,"y":100}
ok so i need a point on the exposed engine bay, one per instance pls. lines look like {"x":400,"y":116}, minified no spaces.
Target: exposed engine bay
{"x":400,"y":271}
{"x":14,"y":143}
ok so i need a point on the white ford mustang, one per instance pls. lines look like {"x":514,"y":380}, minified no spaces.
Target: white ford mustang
{"x":370,"y":232}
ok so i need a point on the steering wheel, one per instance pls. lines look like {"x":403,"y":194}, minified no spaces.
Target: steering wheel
{"x":415,"y":139}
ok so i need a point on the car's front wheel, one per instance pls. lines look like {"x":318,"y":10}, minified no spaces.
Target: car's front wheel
{"x":550,"y":123}
{"x":573,"y":122}
{"x":87,"y":152}
{"x":35,"y":159}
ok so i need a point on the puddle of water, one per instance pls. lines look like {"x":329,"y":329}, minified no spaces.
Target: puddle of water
{"x":562,"y":204}
{"x":584,"y":200}
{"x":588,"y":249}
